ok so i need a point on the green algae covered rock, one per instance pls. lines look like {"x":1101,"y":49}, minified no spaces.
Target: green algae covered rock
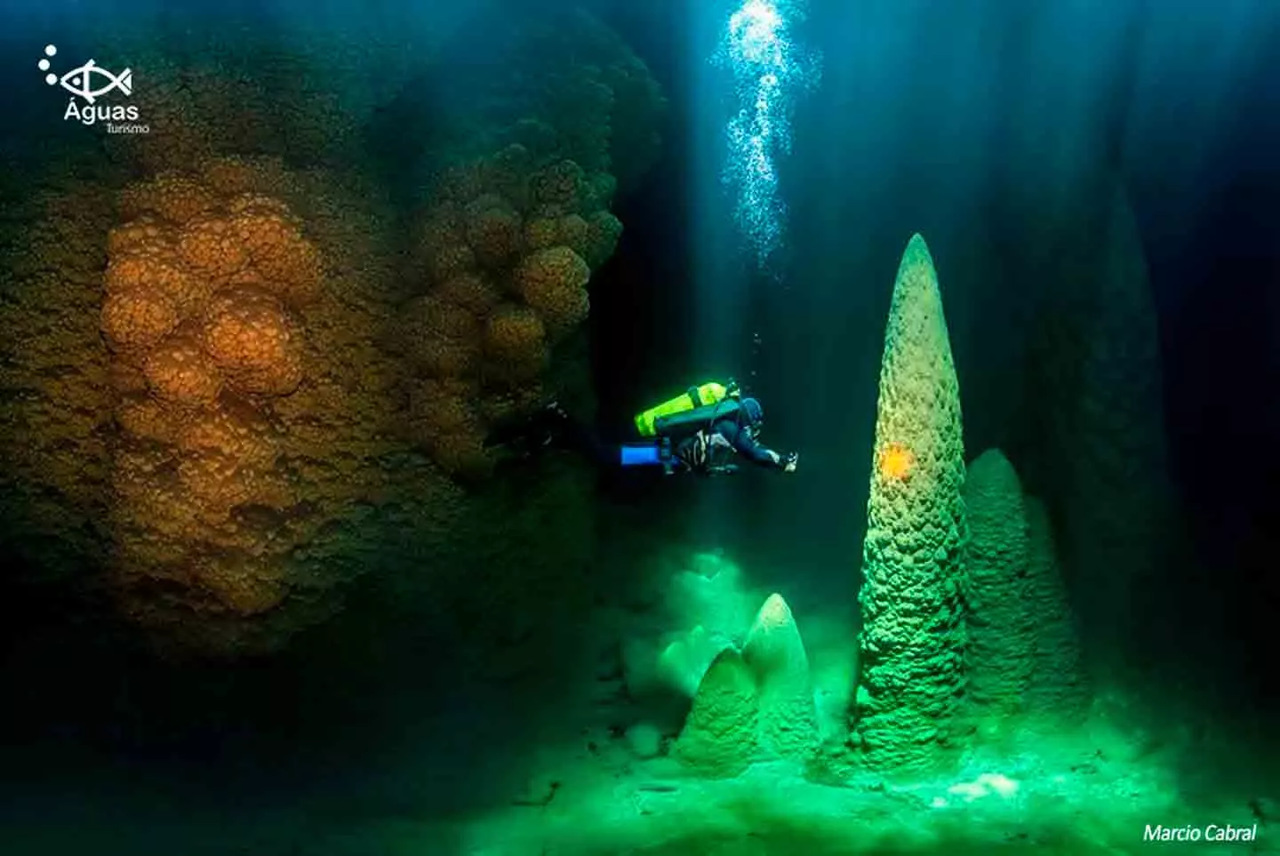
{"x":787,"y":726}
{"x":1057,"y":684}
{"x":1000,"y":653}
{"x":754,"y":705}
{"x":911,"y":646}
{"x":718,"y":738}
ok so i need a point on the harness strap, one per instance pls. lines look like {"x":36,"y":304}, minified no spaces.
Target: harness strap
{"x":696,"y":452}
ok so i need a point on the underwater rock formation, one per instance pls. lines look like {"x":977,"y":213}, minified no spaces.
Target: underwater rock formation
{"x":199,"y":425}
{"x":787,"y":724}
{"x":1100,"y":377}
{"x":244,"y":97}
{"x":1058,"y":685}
{"x":912,"y":640}
{"x":568,"y":88}
{"x":514,"y":175}
{"x":605,"y":107}
{"x":999,"y":653}
{"x":56,"y":422}
{"x":213,"y":299}
{"x":752,"y":704}
{"x":202,"y":333}
{"x":1022,"y":653}
{"x":707,"y":598}
{"x":503,"y":249}
{"x":719,"y":737}
{"x":214,"y":439}
{"x":1118,"y":469}
{"x":686,"y":659}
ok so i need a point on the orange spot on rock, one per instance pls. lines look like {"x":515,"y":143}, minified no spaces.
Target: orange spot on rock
{"x":896,"y":462}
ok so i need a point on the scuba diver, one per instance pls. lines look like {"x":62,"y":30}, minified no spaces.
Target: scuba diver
{"x":701,"y":431}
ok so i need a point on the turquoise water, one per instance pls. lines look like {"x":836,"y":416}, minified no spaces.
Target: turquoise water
{"x":288,"y":569}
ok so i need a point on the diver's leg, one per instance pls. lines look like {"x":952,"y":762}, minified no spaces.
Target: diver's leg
{"x":553,"y":427}
{"x":509,"y":432}
{"x":610,"y":456}
{"x":543,"y":428}
{"x":583,"y":439}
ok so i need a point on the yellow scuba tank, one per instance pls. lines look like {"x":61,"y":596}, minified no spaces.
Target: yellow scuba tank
{"x":694,"y":397}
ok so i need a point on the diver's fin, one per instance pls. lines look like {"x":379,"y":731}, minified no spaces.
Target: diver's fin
{"x":542,"y":428}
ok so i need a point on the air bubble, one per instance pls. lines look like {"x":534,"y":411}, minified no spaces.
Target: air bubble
{"x":768,"y":69}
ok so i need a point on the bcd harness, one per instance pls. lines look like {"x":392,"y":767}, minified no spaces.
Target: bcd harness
{"x":704,"y":453}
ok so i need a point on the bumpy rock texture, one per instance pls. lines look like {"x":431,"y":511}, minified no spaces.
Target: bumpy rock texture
{"x":604,"y":107}
{"x":514,"y":219}
{"x":719,"y":737}
{"x":787,"y":726}
{"x":213,"y":433}
{"x":243,"y":434}
{"x":1023,"y":652}
{"x":999,"y":657}
{"x":205,"y":453}
{"x":242,"y":95}
{"x":503,"y":252}
{"x":754,"y":703}
{"x":1058,"y":684}
{"x":56,"y":423}
{"x":912,"y":640}
{"x":510,"y":236}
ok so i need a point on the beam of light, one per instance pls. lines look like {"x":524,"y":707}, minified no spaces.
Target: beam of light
{"x":768,"y":71}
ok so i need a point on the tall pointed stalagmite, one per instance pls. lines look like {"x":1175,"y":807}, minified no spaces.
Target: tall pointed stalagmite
{"x":1000,"y":653}
{"x":912,"y":640}
{"x":787,"y":726}
{"x":1118,"y":517}
{"x":1058,"y":683}
{"x":1102,"y":445}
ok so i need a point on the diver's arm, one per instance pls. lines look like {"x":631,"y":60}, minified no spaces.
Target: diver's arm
{"x":754,"y":452}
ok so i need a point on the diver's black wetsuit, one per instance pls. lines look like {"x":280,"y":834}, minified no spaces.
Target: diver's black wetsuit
{"x":740,"y":439}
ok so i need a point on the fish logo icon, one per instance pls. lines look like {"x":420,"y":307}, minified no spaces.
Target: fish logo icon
{"x":77,"y":81}
{"x":80,"y":81}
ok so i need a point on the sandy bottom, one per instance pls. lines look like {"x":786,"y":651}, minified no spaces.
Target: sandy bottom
{"x":584,"y":783}
{"x":1094,"y":792}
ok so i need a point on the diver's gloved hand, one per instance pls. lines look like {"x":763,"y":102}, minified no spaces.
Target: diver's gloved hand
{"x":789,"y":462}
